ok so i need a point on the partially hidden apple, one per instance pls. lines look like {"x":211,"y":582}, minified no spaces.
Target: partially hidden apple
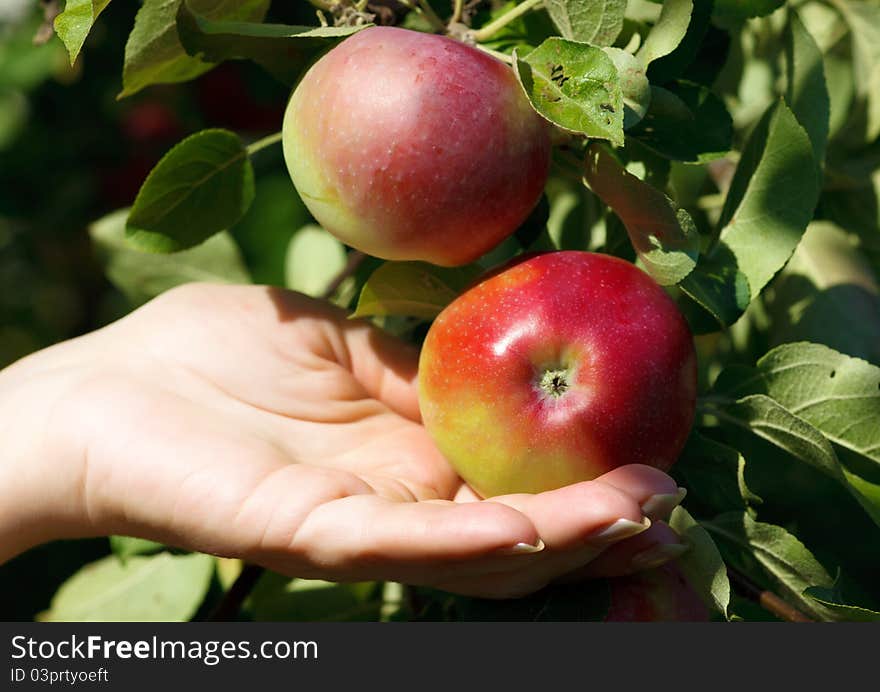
{"x":411,"y":146}
{"x":555,"y":370}
{"x":658,"y":595}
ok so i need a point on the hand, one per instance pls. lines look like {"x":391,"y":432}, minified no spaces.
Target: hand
{"x":259,"y":423}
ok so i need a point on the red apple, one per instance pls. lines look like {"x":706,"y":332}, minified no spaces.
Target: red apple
{"x":556,"y":370}
{"x":411,"y":146}
{"x":658,"y":595}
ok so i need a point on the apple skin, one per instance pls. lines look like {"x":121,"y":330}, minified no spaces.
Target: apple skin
{"x":620,"y":349}
{"x":410,"y":146}
{"x":658,"y":595}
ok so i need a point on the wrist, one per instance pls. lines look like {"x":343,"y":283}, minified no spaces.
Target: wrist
{"x":41,"y":470}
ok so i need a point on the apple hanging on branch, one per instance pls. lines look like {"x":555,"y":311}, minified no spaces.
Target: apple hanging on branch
{"x":411,"y":146}
{"x":555,"y":370}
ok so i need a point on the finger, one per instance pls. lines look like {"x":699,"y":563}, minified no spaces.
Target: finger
{"x":370,"y":537}
{"x":656,"y":546}
{"x":576,"y":515}
{"x":656,"y":492}
{"x":577,"y":522}
{"x":385,"y":366}
{"x":638,"y":484}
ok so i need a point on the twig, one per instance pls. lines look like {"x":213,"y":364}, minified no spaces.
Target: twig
{"x":355,"y":259}
{"x":233,"y":599}
{"x":267,"y":141}
{"x":767,"y":599}
{"x":431,"y":16}
{"x":456,"y":11}
{"x":425,"y":10}
{"x":47,"y":27}
{"x":503,"y":57}
{"x":492,"y":28}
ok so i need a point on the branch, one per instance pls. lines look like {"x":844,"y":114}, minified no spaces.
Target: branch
{"x":46,"y":30}
{"x":233,"y":599}
{"x":492,"y":28}
{"x":267,"y":141}
{"x":355,"y":259}
{"x":456,"y":11}
{"x":768,"y":600}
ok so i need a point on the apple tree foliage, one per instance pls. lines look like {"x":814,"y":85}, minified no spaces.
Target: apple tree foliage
{"x":730,"y":149}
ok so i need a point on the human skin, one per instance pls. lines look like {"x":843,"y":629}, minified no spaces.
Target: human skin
{"x":410,"y":146}
{"x":557,"y":370}
{"x":261,"y":424}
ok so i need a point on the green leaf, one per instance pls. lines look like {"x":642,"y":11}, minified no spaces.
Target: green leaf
{"x":589,"y":21}
{"x":863,"y":19}
{"x":800,"y":394}
{"x":771,"y":198}
{"x":837,"y":394}
{"x":284,"y":51}
{"x":702,"y":564}
{"x":807,"y":95}
{"x":159,"y":588}
{"x":830,"y":599}
{"x":575,"y":86}
{"x":766,"y":418}
{"x":202,"y":186}
{"x":827,"y":294}
{"x":74,"y":24}
{"x":633,"y":85}
{"x":673,"y":65}
{"x":277,"y":598}
{"x":574,"y":212}
{"x":153,"y":53}
{"x":124,"y":547}
{"x":142,"y":276}
{"x":314,"y":258}
{"x":663,"y":236}
{"x":714,"y":475}
{"x":685,"y":122}
{"x":720,"y":290}
{"x":668,"y":32}
{"x":414,"y":289}
{"x":744,"y":542}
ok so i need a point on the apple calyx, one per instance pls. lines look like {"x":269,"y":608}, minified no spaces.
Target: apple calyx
{"x":555,"y":382}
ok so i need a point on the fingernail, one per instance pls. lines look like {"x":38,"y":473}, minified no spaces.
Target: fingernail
{"x":620,"y":529}
{"x":657,"y":555}
{"x":524,"y":548}
{"x":660,"y":506}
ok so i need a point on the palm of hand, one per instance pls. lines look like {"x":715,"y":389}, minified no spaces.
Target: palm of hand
{"x":259,"y":423}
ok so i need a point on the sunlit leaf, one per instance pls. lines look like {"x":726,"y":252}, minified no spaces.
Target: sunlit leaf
{"x":413,"y":289}
{"x":663,"y":235}
{"x":75,"y":22}
{"x":591,"y":21}
{"x":158,"y":588}
{"x":575,"y":86}
{"x":202,"y":186}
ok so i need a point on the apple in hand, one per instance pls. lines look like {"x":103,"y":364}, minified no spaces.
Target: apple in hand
{"x":410,"y":146}
{"x":555,"y":370}
{"x":658,"y":595}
